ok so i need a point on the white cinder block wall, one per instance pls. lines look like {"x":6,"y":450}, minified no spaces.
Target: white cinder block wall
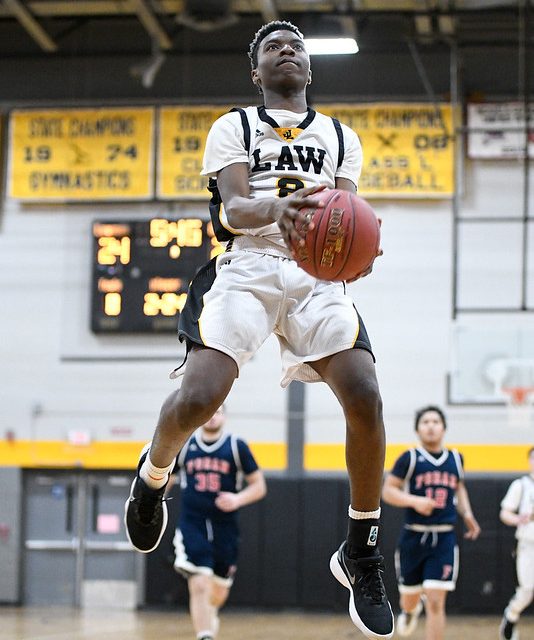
{"x":56,"y":375}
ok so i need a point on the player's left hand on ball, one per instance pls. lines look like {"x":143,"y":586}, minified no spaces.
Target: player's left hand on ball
{"x":293,"y":222}
{"x":370,"y":268}
{"x":227,"y":501}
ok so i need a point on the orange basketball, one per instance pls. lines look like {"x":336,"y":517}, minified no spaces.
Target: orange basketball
{"x":345,"y":239}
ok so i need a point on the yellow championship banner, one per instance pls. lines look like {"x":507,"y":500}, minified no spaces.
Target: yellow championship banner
{"x":408,"y":149}
{"x":81,"y":154}
{"x":182,"y":138}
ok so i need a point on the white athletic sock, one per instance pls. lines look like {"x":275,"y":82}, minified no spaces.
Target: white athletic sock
{"x":154,"y":477}
{"x":204,"y":635}
{"x":364,"y":515}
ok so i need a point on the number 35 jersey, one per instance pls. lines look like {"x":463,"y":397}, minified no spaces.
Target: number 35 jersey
{"x":284,"y":151}
{"x":433,"y":476}
{"x":205,"y":469}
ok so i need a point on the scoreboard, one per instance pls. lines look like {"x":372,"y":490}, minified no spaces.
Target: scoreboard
{"x":142,"y":269}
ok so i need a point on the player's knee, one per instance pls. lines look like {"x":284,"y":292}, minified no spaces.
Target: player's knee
{"x":435,"y":604}
{"x":365,"y":403}
{"x":189,"y":409}
{"x":200,"y":587}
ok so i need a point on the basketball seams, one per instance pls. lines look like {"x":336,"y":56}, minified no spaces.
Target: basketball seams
{"x":348,"y":246}
{"x":320,"y":234}
{"x":340,"y":247}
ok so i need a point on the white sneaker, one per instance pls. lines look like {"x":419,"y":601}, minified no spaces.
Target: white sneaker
{"x":407,"y":622}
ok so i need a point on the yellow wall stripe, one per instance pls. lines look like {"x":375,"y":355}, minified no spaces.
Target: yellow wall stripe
{"x":107,"y":455}
{"x":477,"y":457}
{"x":270,"y":455}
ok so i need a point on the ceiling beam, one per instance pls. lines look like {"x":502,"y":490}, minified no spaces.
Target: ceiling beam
{"x":268,"y":10}
{"x":31,"y":25}
{"x":151,"y":23}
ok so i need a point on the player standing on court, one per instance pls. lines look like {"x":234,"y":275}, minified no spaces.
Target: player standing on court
{"x":211,"y":467}
{"x":517,"y":510}
{"x":269,"y":162}
{"x":427,"y":481}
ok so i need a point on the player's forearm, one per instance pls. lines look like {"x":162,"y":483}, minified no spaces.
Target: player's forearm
{"x":249,"y":213}
{"x":509,"y":518}
{"x":397,"y":497}
{"x":464,"y":505}
{"x":253,"y":492}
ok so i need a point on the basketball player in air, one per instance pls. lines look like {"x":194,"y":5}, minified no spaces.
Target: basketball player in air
{"x":212,"y":466}
{"x":517,"y":510}
{"x":429,"y":482}
{"x":266,"y":164}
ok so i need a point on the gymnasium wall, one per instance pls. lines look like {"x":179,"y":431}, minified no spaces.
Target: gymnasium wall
{"x":58,"y":377}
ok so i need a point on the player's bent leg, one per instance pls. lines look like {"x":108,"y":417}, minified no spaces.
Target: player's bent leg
{"x":351,"y":376}
{"x":219,"y":595}
{"x":507,"y":629}
{"x":411,"y":604}
{"x":208,"y":378}
{"x":200,"y":395}
{"x":520,"y":601}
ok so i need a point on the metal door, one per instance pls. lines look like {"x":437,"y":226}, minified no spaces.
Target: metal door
{"x":111,"y":571}
{"x":51,"y":542}
{"x":75,"y":546}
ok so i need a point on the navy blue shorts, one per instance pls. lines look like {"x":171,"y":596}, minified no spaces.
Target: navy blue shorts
{"x":206,"y":546}
{"x":426,"y":560}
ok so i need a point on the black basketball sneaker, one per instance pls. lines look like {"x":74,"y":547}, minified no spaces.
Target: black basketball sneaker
{"x":145,"y":513}
{"x":507,"y":630}
{"x":369,"y":608}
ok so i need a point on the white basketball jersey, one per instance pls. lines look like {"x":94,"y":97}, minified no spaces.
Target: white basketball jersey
{"x":520,"y":499}
{"x":285,"y":151}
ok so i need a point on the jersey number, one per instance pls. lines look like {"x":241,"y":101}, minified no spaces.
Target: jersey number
{"x":208,"y":482}
{"x":288,"y":185}
{"x":439,"y":496}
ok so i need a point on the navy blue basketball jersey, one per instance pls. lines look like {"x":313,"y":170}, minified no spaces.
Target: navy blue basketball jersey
{"x":433,"y":476}
{"x":206,"y":469}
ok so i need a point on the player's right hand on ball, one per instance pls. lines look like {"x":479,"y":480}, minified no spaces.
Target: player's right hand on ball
{"x":424,"y":506}
{"x":293,"y":222}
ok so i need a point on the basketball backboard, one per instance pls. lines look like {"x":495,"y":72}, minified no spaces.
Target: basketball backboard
{"x":492,"y":361}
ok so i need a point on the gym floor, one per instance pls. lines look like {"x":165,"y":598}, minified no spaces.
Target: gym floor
{"x":54,"y":623}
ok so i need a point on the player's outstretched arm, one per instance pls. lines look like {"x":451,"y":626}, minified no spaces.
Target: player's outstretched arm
{"x":255,"y":490}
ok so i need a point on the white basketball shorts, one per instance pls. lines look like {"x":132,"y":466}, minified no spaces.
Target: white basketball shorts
{"x":239,"y":299}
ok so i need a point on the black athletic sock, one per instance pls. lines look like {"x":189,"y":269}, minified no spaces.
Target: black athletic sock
{"x":362,"y":538}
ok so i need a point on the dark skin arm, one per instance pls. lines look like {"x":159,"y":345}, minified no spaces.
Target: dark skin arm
{"x":244,"y":212}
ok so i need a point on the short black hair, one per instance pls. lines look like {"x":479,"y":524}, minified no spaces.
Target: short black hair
{"x":420,"y":413}
{"x":275,"y":25}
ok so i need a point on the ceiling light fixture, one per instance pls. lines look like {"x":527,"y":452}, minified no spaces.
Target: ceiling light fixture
{"x":331,"y":46}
